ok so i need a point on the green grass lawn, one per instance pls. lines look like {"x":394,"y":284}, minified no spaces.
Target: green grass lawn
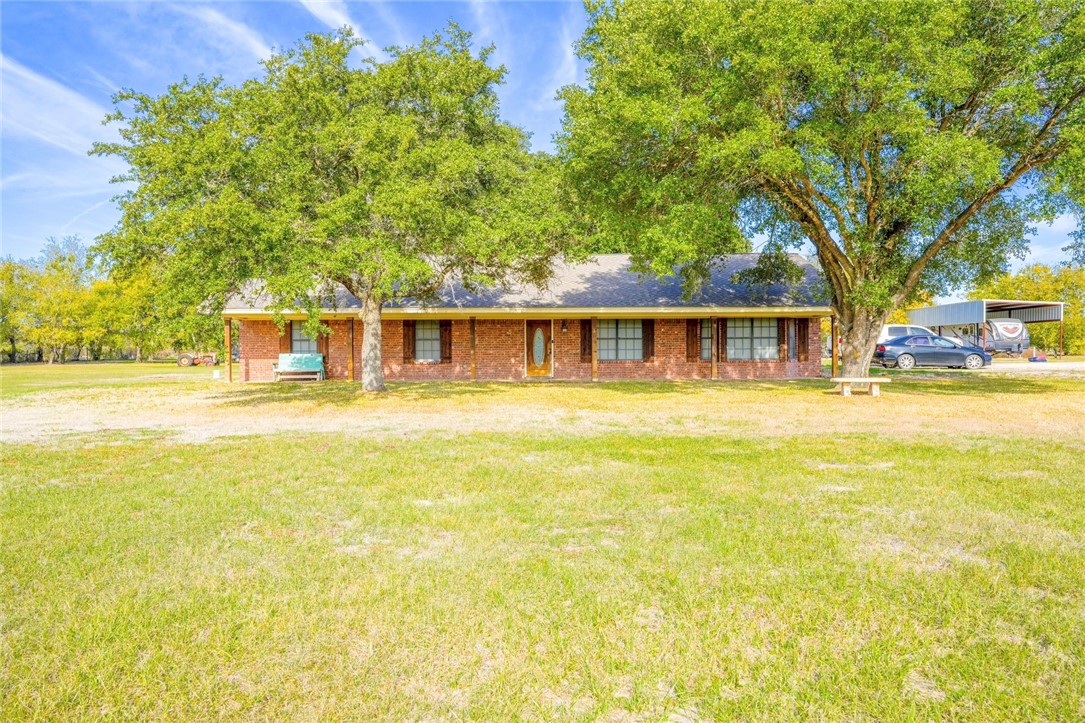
{"x":17,"y":379}
{"x":632,"y":573}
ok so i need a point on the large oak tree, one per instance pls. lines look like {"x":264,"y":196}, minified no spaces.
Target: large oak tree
{"x":914,"y":145}
{"x":383,"y":178}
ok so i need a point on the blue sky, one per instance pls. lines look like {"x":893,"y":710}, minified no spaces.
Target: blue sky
{"x":61,"y":62}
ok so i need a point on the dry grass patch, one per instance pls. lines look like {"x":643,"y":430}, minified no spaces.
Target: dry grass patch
{"x":198,"y":410}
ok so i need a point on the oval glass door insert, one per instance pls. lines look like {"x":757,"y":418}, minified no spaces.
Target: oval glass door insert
{"x":538,"y":348}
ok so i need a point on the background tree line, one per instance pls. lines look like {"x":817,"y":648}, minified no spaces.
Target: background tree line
{"x":65,"y":305}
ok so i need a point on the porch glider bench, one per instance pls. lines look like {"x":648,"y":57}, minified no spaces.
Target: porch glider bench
{"x":297,"y":367}
{"x":872,"y":384}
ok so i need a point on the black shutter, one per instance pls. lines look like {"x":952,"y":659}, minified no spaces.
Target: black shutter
{"x":781,"y":339}
{"x":802,"y":339}
{"x":648,"y":332}
{"x":693,"y":340}
{"x":585,"y":341}
{"x":286,"y":338}
{"x":322,"y":347}
{"x":408,"y":341}
{"x":721,"y":341}
{"x":446,"y":341}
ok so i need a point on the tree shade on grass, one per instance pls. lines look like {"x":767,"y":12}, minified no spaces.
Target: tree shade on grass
{"x":913,"y":144}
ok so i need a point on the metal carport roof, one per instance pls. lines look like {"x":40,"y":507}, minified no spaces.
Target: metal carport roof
{"x":980,"y":310}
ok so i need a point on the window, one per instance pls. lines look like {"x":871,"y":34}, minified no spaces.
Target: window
{"x":792,"y":345}
{"x":919,"y":341}
{"x":944,"y":343}
{"x":427,"y":341}
{"x":895,"y":331}
{"x":706,"y":339}
{"x":300,"y":343}
{"x":754,"y":339}
{"x":621,"y":340}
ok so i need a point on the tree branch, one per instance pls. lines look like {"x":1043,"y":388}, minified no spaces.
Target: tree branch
{"x":1027,"y":161}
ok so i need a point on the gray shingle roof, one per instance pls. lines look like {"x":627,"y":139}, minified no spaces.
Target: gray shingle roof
{"x":608,"y":281}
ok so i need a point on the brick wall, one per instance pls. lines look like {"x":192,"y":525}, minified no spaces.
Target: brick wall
{"x":259,"y":342}
{"x":501,"y":352}
{"x":336,"y":366}
{"x":396,"y":369}
{"x":567,"y":364}
{"x":502,"y":349}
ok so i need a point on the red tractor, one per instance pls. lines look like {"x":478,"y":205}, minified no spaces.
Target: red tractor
{"x":190,"y":359}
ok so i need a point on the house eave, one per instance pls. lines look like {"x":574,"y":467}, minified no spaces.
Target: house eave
{"x":536,"y":312}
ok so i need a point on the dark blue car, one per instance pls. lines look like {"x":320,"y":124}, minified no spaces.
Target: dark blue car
{"x":921,"y":350}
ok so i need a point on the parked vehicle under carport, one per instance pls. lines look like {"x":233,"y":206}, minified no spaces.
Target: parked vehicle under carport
{"x":906,"y":352}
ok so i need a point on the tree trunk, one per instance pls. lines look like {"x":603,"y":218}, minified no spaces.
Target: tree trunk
{"x":860,"y":329}
{"x":372,"y":361}
{"x":139,"y":355}
{"x":13,"y":350}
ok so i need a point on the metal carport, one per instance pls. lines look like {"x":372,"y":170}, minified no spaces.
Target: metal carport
{"x":964,"y":313}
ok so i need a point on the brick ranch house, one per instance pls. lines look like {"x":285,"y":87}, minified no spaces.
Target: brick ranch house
{"x":596,"y":320}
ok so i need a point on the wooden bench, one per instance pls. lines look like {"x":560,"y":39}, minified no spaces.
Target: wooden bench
{"x":872,"y":384}
{"x":298,"y":367}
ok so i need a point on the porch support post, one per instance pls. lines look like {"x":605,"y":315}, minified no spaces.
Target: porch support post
{"x":350,"y":357}
{"x":832,"y":345}
{"x":474,"y":349}
{"x":229,"y":329}
{"x":713,"y":322}
{"x":595,"y":348}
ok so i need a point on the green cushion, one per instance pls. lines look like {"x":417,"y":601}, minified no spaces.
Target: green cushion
{"x":301,"y":363}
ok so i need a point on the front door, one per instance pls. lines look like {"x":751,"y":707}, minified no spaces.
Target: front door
{"x":538,"y":348}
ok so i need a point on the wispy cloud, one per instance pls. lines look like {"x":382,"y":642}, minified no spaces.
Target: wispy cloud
{"x":67,"y":226}
{"x":565,"y":70}
{"x":228,"y":30}
{"x":334,"y":14}
{"x":102,"y":80}
{"x":491,"y":26}
{"x":391,"y":21}
{"x":42,"y":109}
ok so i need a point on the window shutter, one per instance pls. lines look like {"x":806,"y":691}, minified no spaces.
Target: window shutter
{"x":781,"y":339}
{"x":802,"y":339}
{"x":322,"y":347}
{"x":693,"y":340}
{"x":408,"y":341}
{"x":721,"y":341}
{"x":286,"y":338}
{"x":585,"y":341}
{"x":648,"y":333}
{"x":446,"y":341}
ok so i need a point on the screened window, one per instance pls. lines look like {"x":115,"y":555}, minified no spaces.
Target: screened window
{"x":427,"y":341}
{"x":300,"y":343}
{"x":621,"y":340}
{"x":754,"y":339}
{"x":706,"y":339}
